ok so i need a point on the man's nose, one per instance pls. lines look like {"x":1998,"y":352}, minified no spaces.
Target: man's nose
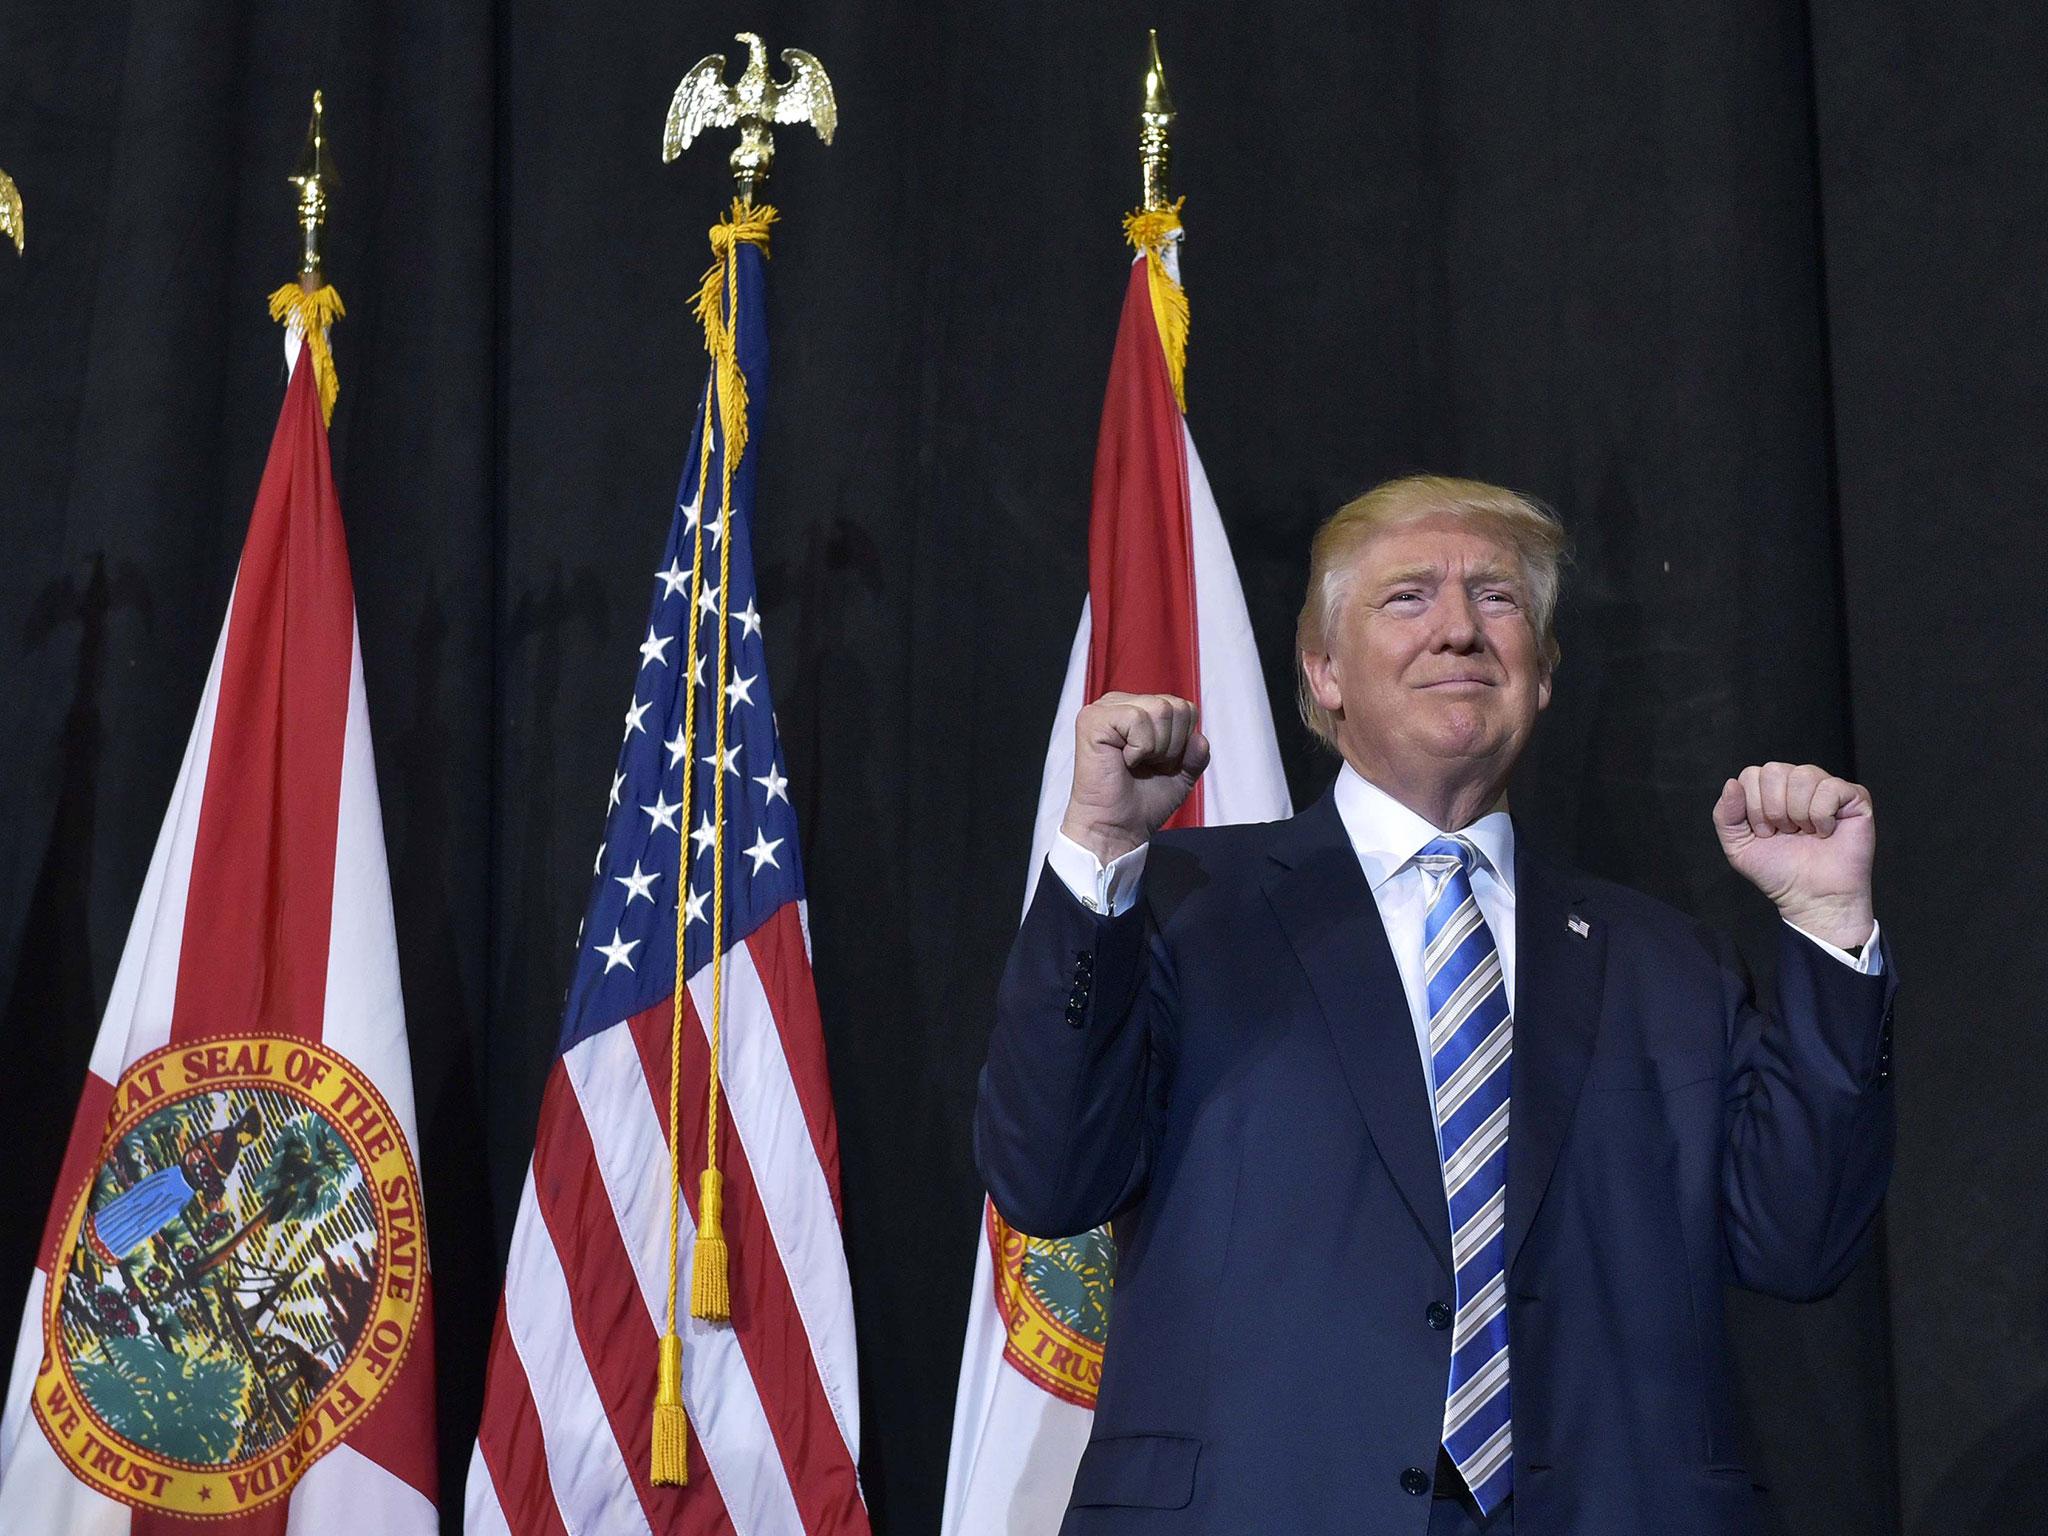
{"x":1458,"y":627}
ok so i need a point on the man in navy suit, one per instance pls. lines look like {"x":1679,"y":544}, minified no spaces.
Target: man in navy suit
{"x":1428,"y":1157}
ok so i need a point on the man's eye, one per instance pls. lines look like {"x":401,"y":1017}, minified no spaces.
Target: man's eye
{"x":1404,"y":597}
{"x":1506,"y":599}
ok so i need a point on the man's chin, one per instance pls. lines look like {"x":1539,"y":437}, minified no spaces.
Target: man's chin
{"x":1454,"y":725}
{"x":1470,"y":737}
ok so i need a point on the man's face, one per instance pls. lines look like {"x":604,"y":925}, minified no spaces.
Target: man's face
{"x":1434,"y":672}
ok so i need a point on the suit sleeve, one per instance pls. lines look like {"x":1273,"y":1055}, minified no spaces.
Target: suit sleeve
{"x":1810,"y":1120}
{"x":1073,"y":1093}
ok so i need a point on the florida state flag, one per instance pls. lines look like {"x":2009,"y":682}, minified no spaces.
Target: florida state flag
{"x":230,"y":1324}
{"x":1165,"y":613}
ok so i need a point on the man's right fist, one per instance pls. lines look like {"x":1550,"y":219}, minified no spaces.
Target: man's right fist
{"x":1136,"y":756}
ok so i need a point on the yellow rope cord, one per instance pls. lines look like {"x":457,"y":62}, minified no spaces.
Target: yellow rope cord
{"x":311,"y":314}
{"x":717,"y":311}
{"x":1148,"y":230}
{"x":710,"y":1280}
{"x":710,"y":1284}
{"x":671,"y":1425}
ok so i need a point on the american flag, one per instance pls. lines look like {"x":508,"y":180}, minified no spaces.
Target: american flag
{"x":771,"y":1395}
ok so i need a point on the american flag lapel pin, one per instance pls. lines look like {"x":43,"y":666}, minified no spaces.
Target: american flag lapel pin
{"x":1579,"y":926}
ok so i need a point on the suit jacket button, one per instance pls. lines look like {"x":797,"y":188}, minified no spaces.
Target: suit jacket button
{"x":1440,"y":1315}
{"x":1415,"y":1480}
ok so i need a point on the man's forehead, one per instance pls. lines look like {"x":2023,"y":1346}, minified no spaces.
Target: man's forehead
{"x":1435,"y":546}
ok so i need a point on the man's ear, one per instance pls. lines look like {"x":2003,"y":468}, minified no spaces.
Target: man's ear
{"x":1324,"y":686}
{"x":1543,"y":682}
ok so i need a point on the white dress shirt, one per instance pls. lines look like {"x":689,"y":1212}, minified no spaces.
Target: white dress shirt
{"x":1386,"y":836}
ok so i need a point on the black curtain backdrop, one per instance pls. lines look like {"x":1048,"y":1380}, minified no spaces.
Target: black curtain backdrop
{"x":1755,"y":292}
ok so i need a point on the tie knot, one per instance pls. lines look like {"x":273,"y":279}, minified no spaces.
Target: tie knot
{"x":1443,"y":851}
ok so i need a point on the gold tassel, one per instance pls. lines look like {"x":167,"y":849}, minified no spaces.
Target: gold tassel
{"x":311,"y":314}
{"x":1148,"y":230}
{"x":710,"y":1284}
{"x":671,"y":1426}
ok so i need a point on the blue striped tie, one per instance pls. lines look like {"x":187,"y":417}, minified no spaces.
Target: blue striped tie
{"x":1471,"y":1038}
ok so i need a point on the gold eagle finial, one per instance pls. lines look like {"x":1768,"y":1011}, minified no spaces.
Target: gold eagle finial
{"x":753,"y":103}
{"x":10,"y":212}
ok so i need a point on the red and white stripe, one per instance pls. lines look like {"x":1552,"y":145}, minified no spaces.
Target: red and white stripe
{"x":771,"y":1396}
{"x":1165,"y":613}
{"x":266,"y":909}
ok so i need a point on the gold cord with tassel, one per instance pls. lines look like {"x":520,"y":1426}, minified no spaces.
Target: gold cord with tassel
{"x":710,"y":1276}
{"x":310,"y":314}
{"x":670,"y":1463}
{"x":1148,"y":230}
{"x":716,"y":308}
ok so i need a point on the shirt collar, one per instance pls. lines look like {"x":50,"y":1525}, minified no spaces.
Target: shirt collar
{"x":1386,"y":835}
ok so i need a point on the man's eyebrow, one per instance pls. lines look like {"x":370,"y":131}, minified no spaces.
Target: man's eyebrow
{"x":1484,"y":575}
{"x":1494,"y":575}
{"x":1408,"y":573}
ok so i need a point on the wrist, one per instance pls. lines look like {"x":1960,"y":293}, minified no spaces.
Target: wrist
{"x":1845,"y":922}
{"x":1106,"y":841}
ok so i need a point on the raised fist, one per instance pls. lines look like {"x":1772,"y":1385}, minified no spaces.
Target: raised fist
{"x":1136,"y":756}
{"x":1806,"y":839}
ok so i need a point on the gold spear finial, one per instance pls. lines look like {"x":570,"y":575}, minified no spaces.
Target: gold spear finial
{"x":308,"y":307}
{"x":314,"y":177}
{"x":1155,"y":127}
{"x":755,"y":102}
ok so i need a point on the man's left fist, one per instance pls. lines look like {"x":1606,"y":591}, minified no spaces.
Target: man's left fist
{"x":1806,"y":839}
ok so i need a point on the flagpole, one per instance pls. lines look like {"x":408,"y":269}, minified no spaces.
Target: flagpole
{"x":309,"y":307}
{"x":752,"y":103}
{"x":1155,"y":228}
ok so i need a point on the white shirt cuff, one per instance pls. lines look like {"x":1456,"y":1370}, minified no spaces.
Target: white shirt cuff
{"x":1868,"y":959}
{"x":1106,"y":888}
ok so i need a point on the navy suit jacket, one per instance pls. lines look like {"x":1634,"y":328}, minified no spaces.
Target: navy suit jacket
{"x":1229,"y":1073}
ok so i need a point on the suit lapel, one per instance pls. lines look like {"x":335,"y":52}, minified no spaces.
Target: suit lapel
{"x":1328,"y":913}
{"x":1560,"y":953}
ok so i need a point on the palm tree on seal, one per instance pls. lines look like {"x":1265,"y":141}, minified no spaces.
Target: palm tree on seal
{"x":303,"y":1180}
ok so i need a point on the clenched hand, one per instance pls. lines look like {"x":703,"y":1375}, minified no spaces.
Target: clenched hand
{"x":1136,"y":757}
{"x":1806,"y":839}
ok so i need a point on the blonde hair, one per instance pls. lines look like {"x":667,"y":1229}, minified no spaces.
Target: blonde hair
{"x":1516,"y":522}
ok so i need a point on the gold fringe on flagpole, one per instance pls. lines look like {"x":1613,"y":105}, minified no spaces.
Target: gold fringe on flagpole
{"x":716,"y":307}
{"x":750,"y":224}
{"x":1148,"y":230}
{"x":310,"y":314}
